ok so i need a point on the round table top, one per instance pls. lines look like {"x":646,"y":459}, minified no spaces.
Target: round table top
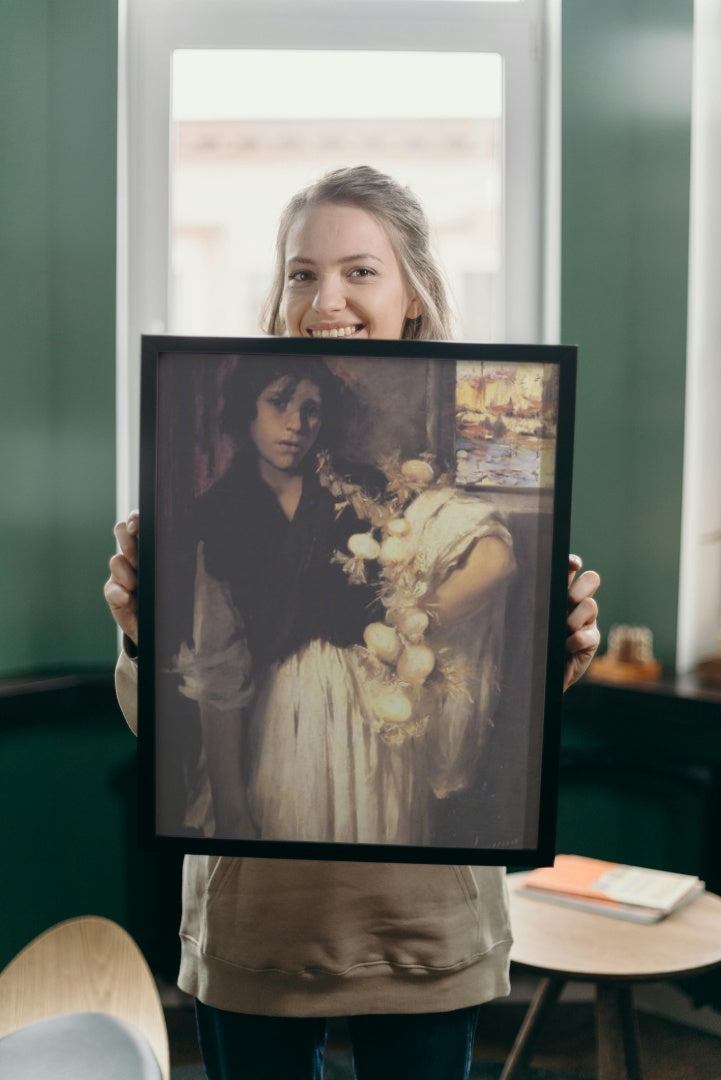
{"x":559,"y":940}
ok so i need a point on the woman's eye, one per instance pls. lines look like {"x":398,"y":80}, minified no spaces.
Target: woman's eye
{"x":300,"y":276}
{"x":362,"y":272}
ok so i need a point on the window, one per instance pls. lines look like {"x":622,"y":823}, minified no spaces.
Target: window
{"x":236,"y":161}
{"x":227,"y":107}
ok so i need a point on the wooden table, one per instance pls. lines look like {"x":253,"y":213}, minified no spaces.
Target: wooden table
{"x":563,"y":944}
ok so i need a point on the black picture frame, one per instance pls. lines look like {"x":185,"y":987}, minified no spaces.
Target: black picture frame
{"x":317,"y":784}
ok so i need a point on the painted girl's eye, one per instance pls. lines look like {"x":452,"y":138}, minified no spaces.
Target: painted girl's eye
{"x":279,"y":398}
{"x":311,"y":410}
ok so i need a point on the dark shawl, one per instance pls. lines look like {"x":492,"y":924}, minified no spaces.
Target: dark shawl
{"x":279,"y":572}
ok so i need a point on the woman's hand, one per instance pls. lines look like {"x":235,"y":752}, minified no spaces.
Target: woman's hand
{"x":121,"y":587}
{"x":582,"y":633}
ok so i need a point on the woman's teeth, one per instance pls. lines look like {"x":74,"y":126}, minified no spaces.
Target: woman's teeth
{"x":337,"y":331}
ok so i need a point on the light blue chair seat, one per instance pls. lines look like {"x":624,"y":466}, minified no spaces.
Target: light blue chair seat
{"x":78,"y":1046}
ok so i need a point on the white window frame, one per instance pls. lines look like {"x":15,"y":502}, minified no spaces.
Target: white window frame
{"x":526,"y":34}
{"x":699,"y":597}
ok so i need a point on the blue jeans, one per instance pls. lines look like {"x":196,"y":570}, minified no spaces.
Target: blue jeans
{"x":416,"y":1046}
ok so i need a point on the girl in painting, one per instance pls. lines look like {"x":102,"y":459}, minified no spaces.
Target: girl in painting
{"x":267,"y":595}
{"x":337,"y":688}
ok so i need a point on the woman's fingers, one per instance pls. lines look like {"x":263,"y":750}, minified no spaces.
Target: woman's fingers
{"x":123,"y":607}
{"x":584,"y":612}
{"x":126,"y":534}
{"x":123,"y":572}
{"x":584,"y":641}
{"x":582,"y":633}
{"x":119,"y":599}
{"x":582,"y":607}
{"x":575,"y":562}
{"x":584,"y":586}
{"x":121,"y":587}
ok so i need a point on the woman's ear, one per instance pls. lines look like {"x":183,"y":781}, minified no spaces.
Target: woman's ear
{"x":415,"y":309}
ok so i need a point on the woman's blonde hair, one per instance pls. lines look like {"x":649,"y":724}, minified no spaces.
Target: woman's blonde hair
{"x":403,"y":217}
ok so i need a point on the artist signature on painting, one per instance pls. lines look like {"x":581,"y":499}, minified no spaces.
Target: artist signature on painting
{"x":511,"y":842}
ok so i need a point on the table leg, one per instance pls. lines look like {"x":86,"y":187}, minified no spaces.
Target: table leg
{"x":545,"y":997}
{"x":617,"y":1033}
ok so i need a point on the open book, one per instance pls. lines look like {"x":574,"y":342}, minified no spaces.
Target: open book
{"x":608,"y":888}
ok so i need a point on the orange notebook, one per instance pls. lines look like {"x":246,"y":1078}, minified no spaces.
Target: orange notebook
{"x":631,"y":892}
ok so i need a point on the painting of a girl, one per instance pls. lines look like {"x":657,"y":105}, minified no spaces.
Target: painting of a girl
{"x":347,"y":623}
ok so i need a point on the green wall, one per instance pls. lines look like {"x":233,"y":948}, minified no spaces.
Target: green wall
{"x":626,"y":145}
{"x":68,"y":803}
{"x":67,"y":772}
{"x":58,"y":72}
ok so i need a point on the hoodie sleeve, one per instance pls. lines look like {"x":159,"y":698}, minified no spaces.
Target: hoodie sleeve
{"x":126,"y":688}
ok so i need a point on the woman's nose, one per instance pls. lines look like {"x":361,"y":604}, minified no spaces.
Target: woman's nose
{"x":329,"y":295}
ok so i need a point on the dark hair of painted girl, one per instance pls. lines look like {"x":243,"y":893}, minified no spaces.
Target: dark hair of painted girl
{"x":249,"y":378}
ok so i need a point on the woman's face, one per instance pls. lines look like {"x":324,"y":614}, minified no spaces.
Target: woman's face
{"x":342,"y":277}
{"x":287,"y":422}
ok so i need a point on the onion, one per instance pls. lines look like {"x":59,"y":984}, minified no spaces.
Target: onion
{"x":416,"y":663}
{"x":396,"y":549}
{"x":382,"y":641}
{"x":364,"y":546}
{"x":412,"y":623}
{"x":398,"y":527}
{"x":419,"y":472}
{"x":392,"y":705}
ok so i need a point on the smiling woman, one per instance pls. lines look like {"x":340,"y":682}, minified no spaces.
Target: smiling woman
{"x":307,"y":732}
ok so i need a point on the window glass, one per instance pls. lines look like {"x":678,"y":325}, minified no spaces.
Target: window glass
{"x":251,"y":127}
{"x":226,"y":108}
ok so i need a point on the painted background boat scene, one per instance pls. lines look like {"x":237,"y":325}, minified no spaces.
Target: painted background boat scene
{"x":506,"y":424}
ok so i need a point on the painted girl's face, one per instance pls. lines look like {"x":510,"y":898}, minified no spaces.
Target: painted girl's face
{"x":287,"y":422}
{"x":342,"y":277}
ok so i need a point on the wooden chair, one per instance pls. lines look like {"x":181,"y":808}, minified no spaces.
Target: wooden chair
{"x":90,"y":972}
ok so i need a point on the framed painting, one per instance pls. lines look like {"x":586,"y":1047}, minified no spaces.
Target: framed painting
{"x":352,"y":597}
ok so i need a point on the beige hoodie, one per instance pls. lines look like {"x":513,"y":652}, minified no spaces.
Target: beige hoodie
{"x":286,"y":937}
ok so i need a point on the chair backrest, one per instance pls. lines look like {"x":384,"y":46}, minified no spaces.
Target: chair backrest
{"x":87,"y":964}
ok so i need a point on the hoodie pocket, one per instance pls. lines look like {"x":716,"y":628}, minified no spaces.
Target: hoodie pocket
{"x":469,"y":888}
{"x":333,"y":917}
{"x":203,"y":876}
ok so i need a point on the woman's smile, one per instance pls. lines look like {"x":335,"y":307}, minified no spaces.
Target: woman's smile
{"x":335,"y":331}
